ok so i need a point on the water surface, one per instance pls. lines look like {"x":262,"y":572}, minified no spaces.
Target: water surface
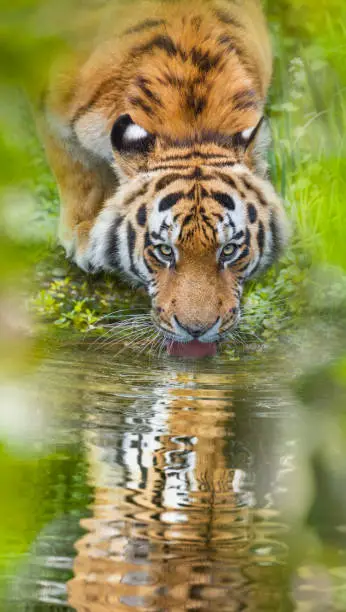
{"x":173,"y":485}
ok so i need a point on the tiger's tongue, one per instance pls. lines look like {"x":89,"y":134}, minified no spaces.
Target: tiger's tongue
{"x":194,"y":349}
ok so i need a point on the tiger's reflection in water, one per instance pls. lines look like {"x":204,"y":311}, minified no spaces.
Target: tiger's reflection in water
{"x":182,"y":517}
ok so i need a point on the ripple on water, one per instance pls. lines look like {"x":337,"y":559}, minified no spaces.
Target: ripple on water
{"x":182,"y":460}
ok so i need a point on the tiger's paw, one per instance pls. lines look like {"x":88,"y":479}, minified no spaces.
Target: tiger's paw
{"x":76,"y":245}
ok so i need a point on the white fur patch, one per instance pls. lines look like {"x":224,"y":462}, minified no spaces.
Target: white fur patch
{"x":99,"y":235}
{"x":57,"y":127}
{"x":93,"y":134}
{"x":238,"y":215}
{"x":65,"y":237}
{"x":246,"y":134}
{"x":82,"y":259}
{"x":135,"y":132}
{"x":156,"y":219}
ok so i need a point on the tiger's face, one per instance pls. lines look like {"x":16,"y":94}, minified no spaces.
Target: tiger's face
{"x":192,"y":226}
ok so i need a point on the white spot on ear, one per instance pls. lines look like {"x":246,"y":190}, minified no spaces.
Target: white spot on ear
{"x":246,"y":134}
{"x":135,"y":132}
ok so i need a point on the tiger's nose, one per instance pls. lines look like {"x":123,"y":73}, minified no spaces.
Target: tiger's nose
{"x":196,"y":330}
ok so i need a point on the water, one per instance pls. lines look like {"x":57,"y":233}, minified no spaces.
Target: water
{"x":170,"y":485}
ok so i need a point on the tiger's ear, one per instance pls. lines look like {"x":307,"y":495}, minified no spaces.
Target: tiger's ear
{"x":254,"y":143}
{"x":128,"y":138}
{"x":247,"y":137}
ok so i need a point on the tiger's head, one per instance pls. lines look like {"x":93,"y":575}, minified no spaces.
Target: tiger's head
{"x":192,"y":221}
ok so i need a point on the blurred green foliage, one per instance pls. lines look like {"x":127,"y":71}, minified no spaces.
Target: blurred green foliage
{"x":39,"y":487}
{"x":26,"y":50}
{"x":307,"y":109}
{"x":308,"y":116}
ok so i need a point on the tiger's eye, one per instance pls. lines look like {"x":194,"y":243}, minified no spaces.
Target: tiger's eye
{"x":165,"y":250}
{"x":228,"y":250}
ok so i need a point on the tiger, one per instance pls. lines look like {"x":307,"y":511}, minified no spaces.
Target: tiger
{"x":154,"y":127}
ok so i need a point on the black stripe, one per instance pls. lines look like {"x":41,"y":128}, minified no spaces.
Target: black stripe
{"x":152,"y":254}
{"x":167,"y":180}
{"x":195,"y":103}
{"x":105,"y":87}
{"x":193,"y":154}
{"x":252,"y":212}
{"x":182,"y":53}
{"x":247,"y":237}
{"x":176,"y":217}
{"x":259,"y":195}
{"x":230,"y":223}
{"x":260,"y":237}
{"x":196,"y":22}
{"x":131,"y":239}
{"x":191,"y":195}
{"x":238,"y":235}
{"x":225,"y":164}
{"x":170,"y":200}
{"x":203,"y":137}
{"x":136,"y":194}
{"x":171,"y":79}
{"x":205,"y":233}
{"x":136,"y":101}
{"x":186,"y":221}
{"x":208,"y":223}
{"x":145,"y":25}
{"x":203,"y":60}
{"x":131,"y":242}
{"x":224,"y":17}
{"x":225,"y":39}
{"x":196,"y":174}
{"x":143,"y":84}
{"x":243,"y":254}
{"x":245,"y":99}
{"x":165,"y":43}
{"x":243,"y":268}
{"x":227,"y":179}
{"x":163,"y":226}
{"x":112,"y":253}
{"x":231,"y":45}
{"x":142,"y":215}
{"x":183,"y":167}
{"x":147,"y":241}
{"x":169,"y":167}
{"x":224,"y":199}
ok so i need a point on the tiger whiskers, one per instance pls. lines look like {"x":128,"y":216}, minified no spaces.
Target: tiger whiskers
{"x":117,"y":330}
{"x":123,"y":312}
{"x":133,"y":327}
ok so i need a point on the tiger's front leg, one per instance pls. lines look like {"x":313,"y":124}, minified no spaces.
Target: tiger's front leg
{"x":85,"y":183}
